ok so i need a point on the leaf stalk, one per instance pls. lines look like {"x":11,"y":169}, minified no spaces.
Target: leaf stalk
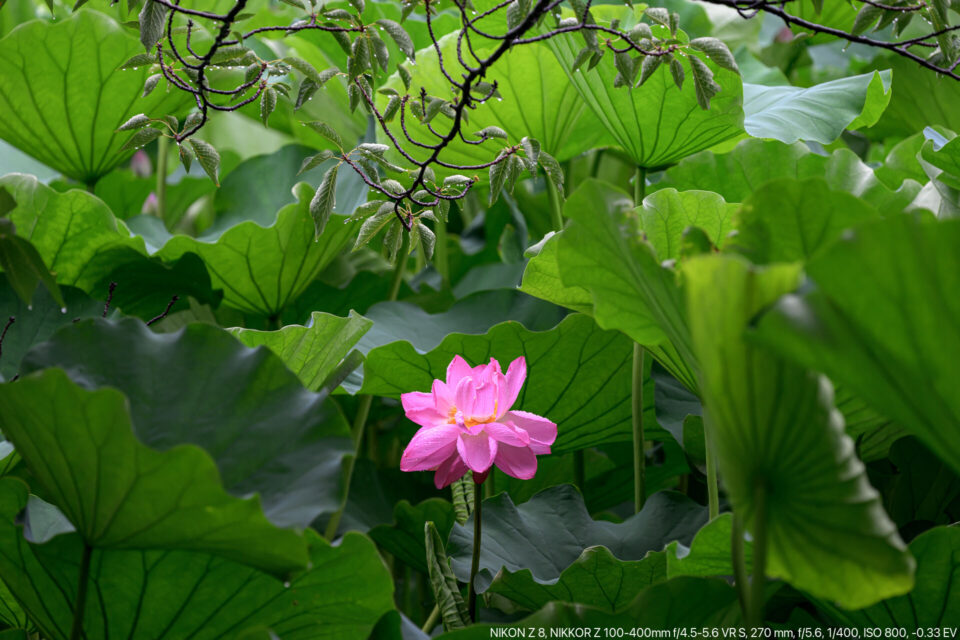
{"x":363,"y":406}
{"x":83,"y":583}
{"x":639,"y":453}
{"x":475,"y":563}
{"x":163,"y":142}
{"x":636,"y":399}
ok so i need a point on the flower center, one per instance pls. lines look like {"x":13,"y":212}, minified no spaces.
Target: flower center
{"x":455,"y":416}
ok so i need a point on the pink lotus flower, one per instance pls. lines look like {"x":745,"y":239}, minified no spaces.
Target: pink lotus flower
{"x":467,"y":424}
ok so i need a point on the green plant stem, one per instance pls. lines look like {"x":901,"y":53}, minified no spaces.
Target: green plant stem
{"x":475,"y":563}
{"x":363,"y":407}
{"x":83,"y":582}
{"x":359,"y":425}
{"x":399,"y":268}
{"x":713,"y":489}
{"x":420,"y":260}
{"x":759,"y":579}
{"x":595,"y":166}
{"x":639,"y":357}
{"x":556,"y":213}
{"x":739,"y":562}
{"x":441,"y":259}
{"x":639,"y":453}
{"x":467,"y":206}
{"x":639,"y":186}
{"x":431,"y":620}
{"x":163,"y":143}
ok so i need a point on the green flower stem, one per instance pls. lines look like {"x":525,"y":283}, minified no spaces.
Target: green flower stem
{"x":759,"y":580}
{"x":639,"y":186}
{"x":400,"y":267}
{"x":420,"y":260}
{"x":639,"y":454}
{"x":739,"y":562}
{"x":639,"y":356}
{"x":163,"y":142}
{"x":359,"y":424}
{"x":431,"y":620}
{"x":363,"y":407}
{"x":595,"y":166}
{"x":441,"y":259}
{"x":556,"y":214}
{"x":713,"y":490}
{"x":83,"y":583}
{"x":475,"y":564}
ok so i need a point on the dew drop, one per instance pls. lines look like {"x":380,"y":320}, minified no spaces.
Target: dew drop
{"x":29,"y":307}
{"x":63,"y":309}
{"x":286,"y":585}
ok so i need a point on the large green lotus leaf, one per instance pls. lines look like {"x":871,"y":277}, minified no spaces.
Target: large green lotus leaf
{"x":873,"y":432}
{"x":788,"y":220}
{"x":556,"y":617}
{"x":260,"y":186}
{"x":38,"y":321}
{"x":533,"y":104}
{"x":708,"y":554}
{"x":685,"y":602}
{"x":595,"y":579}
{"x":819,"y":113}
{"x":902,"y":162}
{"x":549,"y":532}
{"x":838,"y":15}
{"x":541,"y":277}
{"x":200,"y":386}
{"x":313,"y":351}
{"x":943,"y":153}
{"x":80,"y":447}
{"x":608,"y":471}
{"x":753,"y":163}
{"x":146,"y":595}
{"x":602,"y":251}
{"x":263,"y":269}
{"x":84,"y":245}
{"x":404,"y":538}
{"x":475,"y":314}
{"x":883,"y":322}
{"x":125,"y":193}
{"x":578,"y":375}
{"x":72,"y":231}
{"x":919,"y":490}
{"x":64,"y":96}
{"x":404,"y":321}
{"x":656,"y":124}
{"x":920,"y":99}
{"x":16,"y":12}
{"x":667,"y":213}
{"x":787,"y":465}
{"x":703,"y":602}
{"x":934,"y":602}
{"x":143,"y":286}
